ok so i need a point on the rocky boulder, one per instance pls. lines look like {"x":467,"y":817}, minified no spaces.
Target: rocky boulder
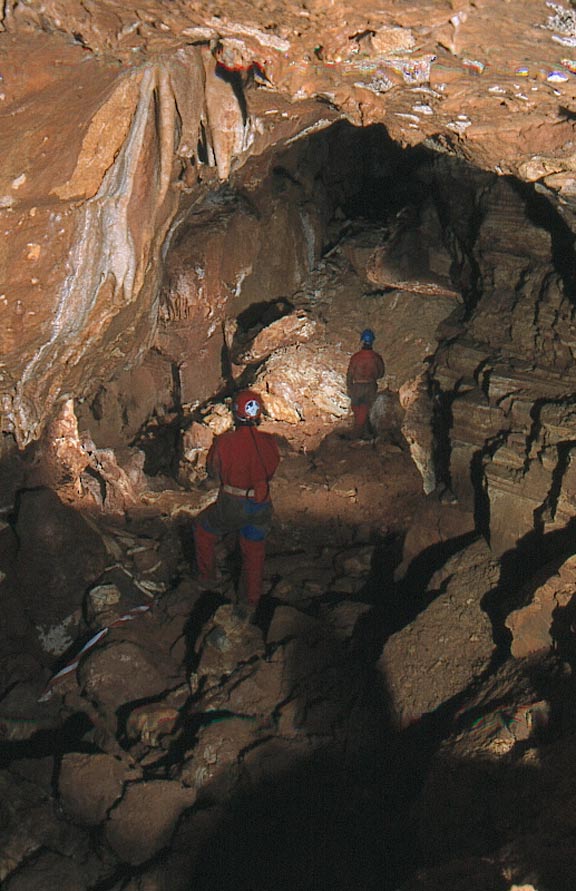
{"x":449,"y":644}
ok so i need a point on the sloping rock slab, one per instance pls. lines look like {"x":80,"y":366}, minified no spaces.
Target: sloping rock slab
{"x":501,"y":787}
{"x":449,"y":644}
{"x":89,"y":785}
{"x":143,"y":823}
{"x":531,"y":626}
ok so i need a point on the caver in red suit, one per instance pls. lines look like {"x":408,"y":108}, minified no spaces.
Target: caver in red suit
{"x":244,"y":460}
{"x":364,"y":370}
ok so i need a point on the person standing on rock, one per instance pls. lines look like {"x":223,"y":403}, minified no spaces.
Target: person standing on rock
{"x":244,"y":460}
{"x":364,"y":370}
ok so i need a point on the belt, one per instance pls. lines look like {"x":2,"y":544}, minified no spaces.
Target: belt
{"x":365,"y":382}
{"x":234,"y":490}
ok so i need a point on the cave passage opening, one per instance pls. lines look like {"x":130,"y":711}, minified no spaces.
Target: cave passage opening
{"x":263,"y":246}
{"x":346,"y":229}
{"x":269,"y":282}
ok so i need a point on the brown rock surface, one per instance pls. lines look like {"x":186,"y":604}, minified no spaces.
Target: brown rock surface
{"x":169,"y":173}
{"x":546,"y":619}
{"x":450,"y":643}
{"x":89,"y":786}
{"x":90,"y":203}
{"x":144,"y":820}
{"x":50,"y":577}
{"x":499,"y":767}
{"x":83,"y":189}
{"x":120,"y":673}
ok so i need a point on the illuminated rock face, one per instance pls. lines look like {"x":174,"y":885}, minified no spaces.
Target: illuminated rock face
{"x":88,"y":199}
{"x":166,"y":170}
{"x":186,"y":207}
{"x":115,"y":122}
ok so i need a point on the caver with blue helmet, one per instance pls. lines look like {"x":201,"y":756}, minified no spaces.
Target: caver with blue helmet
{"x":365,"y":368}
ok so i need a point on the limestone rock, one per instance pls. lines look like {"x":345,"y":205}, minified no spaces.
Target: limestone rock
{"x":115,"y":411}
{"x":225,"y":643}
{"x":217,"y":752}
{"x":144,"y":820}
{"x":266,"y":683}
{"x":289,"y":623}
{"x":450,"y":642}
{"x":388,"y":268}
{"x":196,"y":441}
{"x":471,"y":776}
{"x":305,"y":382}
{"x":532,"y":625}
{"x":386,"y":416}
{"x":150,"y":723}
{"x":287,"y":331}
{"x":38,"y":849}
{"x":111,"y":165}
{"x":49,"y":870}
{"x":197,"y":437}
{"x":438,"y":524}
{"x":48,"y":567}
{"x":355,"y":562}
{"x":64,"y":456}
{"x":89,"y":785}
{"x":93,"y":314}
{"x":344,"y":618}
{"x":406,"y":345}
{"x":226,"y":115}
{"x":218,"y":418}
{"x":418,"y":430}
{"x":120,"y":672}
{"x":119,"y":488}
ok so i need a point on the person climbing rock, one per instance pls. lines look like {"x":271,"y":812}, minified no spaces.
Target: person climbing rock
{"x":244,"y":460}
{"x":365,"y":368}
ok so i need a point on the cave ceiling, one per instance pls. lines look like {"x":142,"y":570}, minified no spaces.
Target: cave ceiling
{"x":116,"y":120}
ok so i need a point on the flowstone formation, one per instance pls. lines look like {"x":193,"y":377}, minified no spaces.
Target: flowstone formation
{"x":199,"y":199}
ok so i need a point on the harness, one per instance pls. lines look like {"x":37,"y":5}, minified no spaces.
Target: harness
{"x":234,"y":490}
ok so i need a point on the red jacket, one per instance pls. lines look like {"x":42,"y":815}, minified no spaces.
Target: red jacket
{"x":244,"y":458}
{"x":365,"y":366}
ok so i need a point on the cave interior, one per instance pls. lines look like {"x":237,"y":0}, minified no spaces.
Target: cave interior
{"x":410,"y":667}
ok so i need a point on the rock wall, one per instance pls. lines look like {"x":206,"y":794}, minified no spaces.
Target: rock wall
{"x":84,"y":241}
{"x":506,"y":379}
{"x":123,"y":118}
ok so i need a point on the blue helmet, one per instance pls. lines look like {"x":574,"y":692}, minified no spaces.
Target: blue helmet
{"x":368,"y":336}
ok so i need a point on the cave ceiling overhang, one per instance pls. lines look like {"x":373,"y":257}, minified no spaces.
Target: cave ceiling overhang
{"x":116,"y":119}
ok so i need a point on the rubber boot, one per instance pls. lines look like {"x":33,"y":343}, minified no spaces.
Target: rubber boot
{"x":205,"y":546}
{"x":253,"y":553}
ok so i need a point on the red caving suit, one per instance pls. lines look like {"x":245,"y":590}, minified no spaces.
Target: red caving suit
{"x":244,"y":459}
{"x":364,"y":369}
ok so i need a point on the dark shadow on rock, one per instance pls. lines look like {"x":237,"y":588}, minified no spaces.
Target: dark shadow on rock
{"x":409,"y":597}
{"x":313,"y":812}
{"x":524,"y":568}
{"x":310,"y":829}
{"x":69,"y":736}
{"x":493,"y":804}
